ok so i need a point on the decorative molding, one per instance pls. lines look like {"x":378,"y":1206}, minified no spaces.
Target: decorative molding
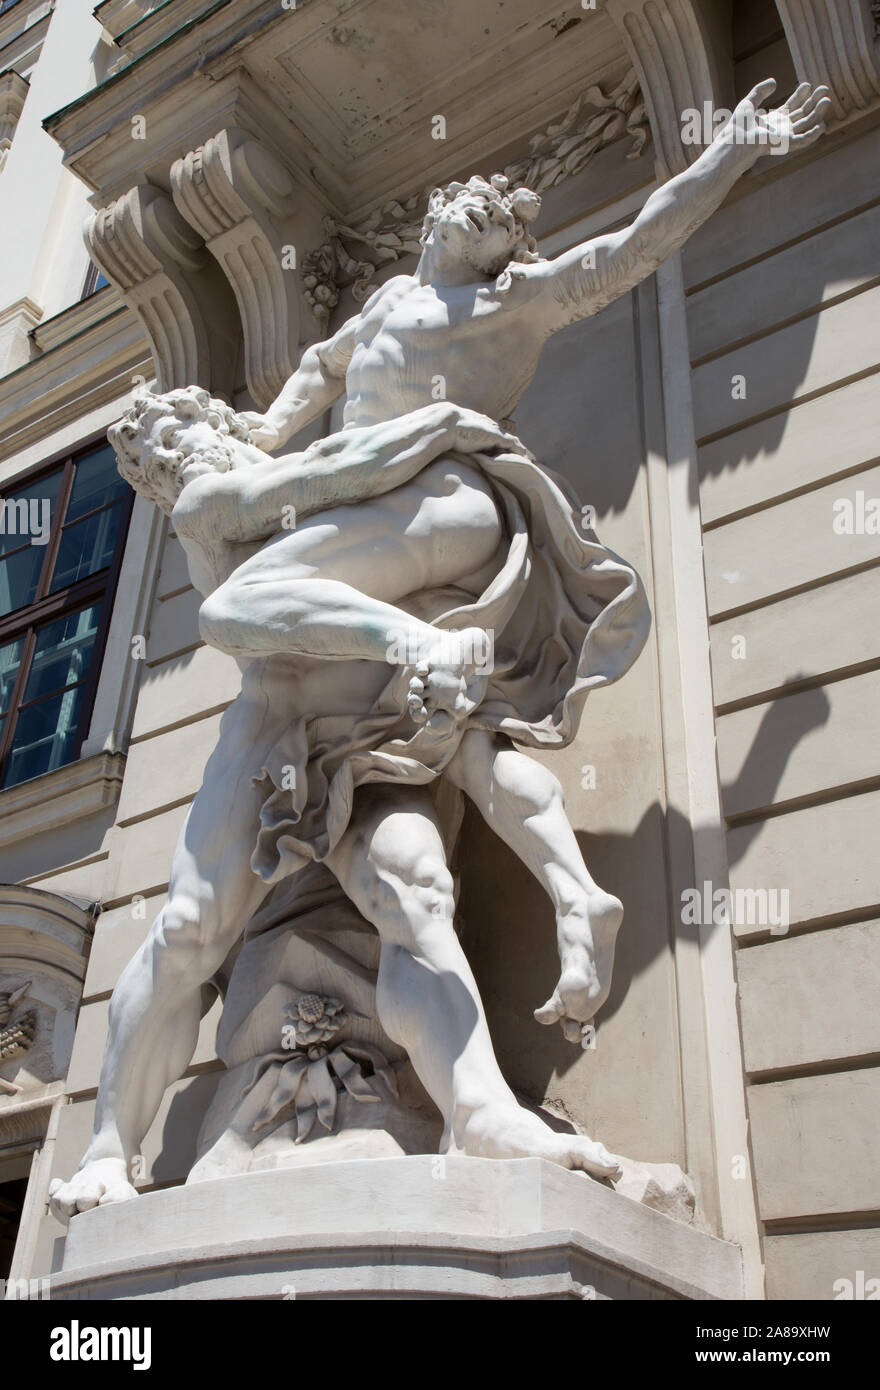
{"x":69,"y":793}
{"x":392,"y":231}
{"x":16,"y":1034}
{"x":676,"y":57}
{"x":44,"y":946}
{"x":146,"y":249}
{"x":237,"y":194}
{"x":834,"y":42}
{"x":13,"y":93}
{"x":26,"y":1120}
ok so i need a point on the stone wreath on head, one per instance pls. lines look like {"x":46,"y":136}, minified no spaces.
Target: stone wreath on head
{"x":521,"y":203}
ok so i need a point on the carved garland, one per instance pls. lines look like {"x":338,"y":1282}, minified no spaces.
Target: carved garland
{"x":392,"y":231}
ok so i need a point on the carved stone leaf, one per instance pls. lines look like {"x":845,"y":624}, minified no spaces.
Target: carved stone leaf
{"x":349,"y":1074}
{"x":287,"y":1085}
{"x":324,"y":1092}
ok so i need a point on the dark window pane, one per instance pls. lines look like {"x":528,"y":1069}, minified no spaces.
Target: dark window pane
{"x":62,"y":653}
{"x":28,"y":513}
{"x":44,"y":736}
{"x":96,"y":480}
{"x":19,"y":576}
{"x":10,"y":657}
{"x":86,"y":547}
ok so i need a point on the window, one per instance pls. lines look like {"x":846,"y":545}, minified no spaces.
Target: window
{"x":62,"y":532}
{"x":95,"y":280}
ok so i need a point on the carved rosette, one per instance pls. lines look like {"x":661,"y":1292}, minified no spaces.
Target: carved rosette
{"x":146,"y":250}
{"x":238,"y":195}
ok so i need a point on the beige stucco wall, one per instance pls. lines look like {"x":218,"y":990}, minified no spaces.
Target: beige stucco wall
{"x":782,"y":290}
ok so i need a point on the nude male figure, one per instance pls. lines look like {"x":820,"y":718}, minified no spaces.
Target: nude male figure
{"x":476,"y":313}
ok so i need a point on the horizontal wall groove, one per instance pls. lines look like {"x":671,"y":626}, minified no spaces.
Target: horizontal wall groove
{"x":157,"y":811}
{"x":827,"y":1067}
{"x":865,"y":1220}
{"x":782,"y":246}
{"x":112,"y":903}
{"x":180,"y":724}
{"x":762,"y":936}
{"x":815,"y":486}
{"x":173,"y":593}
{"x":197,"y":1069}
{"x":172,"y":656}
{"x":842,"y":792}
{"x":785,"y":407}
{"x":725,"y":615}
{"x":66,"y":868}
{"x":812,"y":311}
{"x":797,"y":687}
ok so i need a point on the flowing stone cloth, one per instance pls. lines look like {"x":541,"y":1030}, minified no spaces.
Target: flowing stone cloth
{"x":567,"y":615}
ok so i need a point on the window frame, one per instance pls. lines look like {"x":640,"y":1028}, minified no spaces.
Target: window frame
{"x":95,"y":589}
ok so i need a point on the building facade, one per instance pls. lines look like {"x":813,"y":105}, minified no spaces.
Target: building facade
{"x":244,"y":171}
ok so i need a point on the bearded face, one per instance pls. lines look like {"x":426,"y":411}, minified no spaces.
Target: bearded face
{"x":166,"y":441}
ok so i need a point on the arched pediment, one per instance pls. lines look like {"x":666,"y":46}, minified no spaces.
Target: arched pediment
{"x":44,"y":947}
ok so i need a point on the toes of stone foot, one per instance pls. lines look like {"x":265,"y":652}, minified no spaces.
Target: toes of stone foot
{"x":415,"y":703}
{"x":550,"y":1012}
{"x":606,"y":1163}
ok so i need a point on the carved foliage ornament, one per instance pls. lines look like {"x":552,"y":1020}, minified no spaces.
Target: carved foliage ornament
{"x":309,"y":1074}
{"x":394,"y":230}
{"x":16,"y":1034}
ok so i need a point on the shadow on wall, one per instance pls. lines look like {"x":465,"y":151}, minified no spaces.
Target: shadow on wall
{"x":589,"y":374}
{"x":508,"y":923}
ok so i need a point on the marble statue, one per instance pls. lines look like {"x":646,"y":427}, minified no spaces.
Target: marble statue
{"x":412,"y":600}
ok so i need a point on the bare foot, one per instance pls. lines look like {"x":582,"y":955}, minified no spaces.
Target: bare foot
{"x":587,"y":939}
{"x":450,"y":678}
{"x":98,"y":1182}
{"x":506,"y":1130}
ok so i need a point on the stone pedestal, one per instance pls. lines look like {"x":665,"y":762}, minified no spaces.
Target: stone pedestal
{"x":410,"y":1227}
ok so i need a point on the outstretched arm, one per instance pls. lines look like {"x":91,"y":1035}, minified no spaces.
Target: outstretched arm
{"x":584,"y":279}
{"x":250,"y":503}
{"x":317,"y":382}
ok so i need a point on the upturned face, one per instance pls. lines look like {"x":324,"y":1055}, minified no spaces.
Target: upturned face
{"x":477,"y":231}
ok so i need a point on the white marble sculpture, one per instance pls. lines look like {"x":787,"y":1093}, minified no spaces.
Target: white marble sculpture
{"x":435,"y":607}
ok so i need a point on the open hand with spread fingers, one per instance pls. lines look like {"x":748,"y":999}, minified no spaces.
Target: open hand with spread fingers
{"x":789,"y":128}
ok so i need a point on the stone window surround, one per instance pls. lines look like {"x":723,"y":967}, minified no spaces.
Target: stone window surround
{"x":93,"y":781}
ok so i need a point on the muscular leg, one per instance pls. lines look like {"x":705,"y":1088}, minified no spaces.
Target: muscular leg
{"x":156,"y":1006}
{"x":522,"y":801}
{"x":391,"y":864}
{"x":322,"y":589}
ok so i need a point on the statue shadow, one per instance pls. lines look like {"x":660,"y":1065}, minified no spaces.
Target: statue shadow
{"x":578,"y":413}
{"x":507,"y":921}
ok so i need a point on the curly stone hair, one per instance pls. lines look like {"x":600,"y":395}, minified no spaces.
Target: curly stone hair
{"x":154,"y":470}
{"x":520,"y":203}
